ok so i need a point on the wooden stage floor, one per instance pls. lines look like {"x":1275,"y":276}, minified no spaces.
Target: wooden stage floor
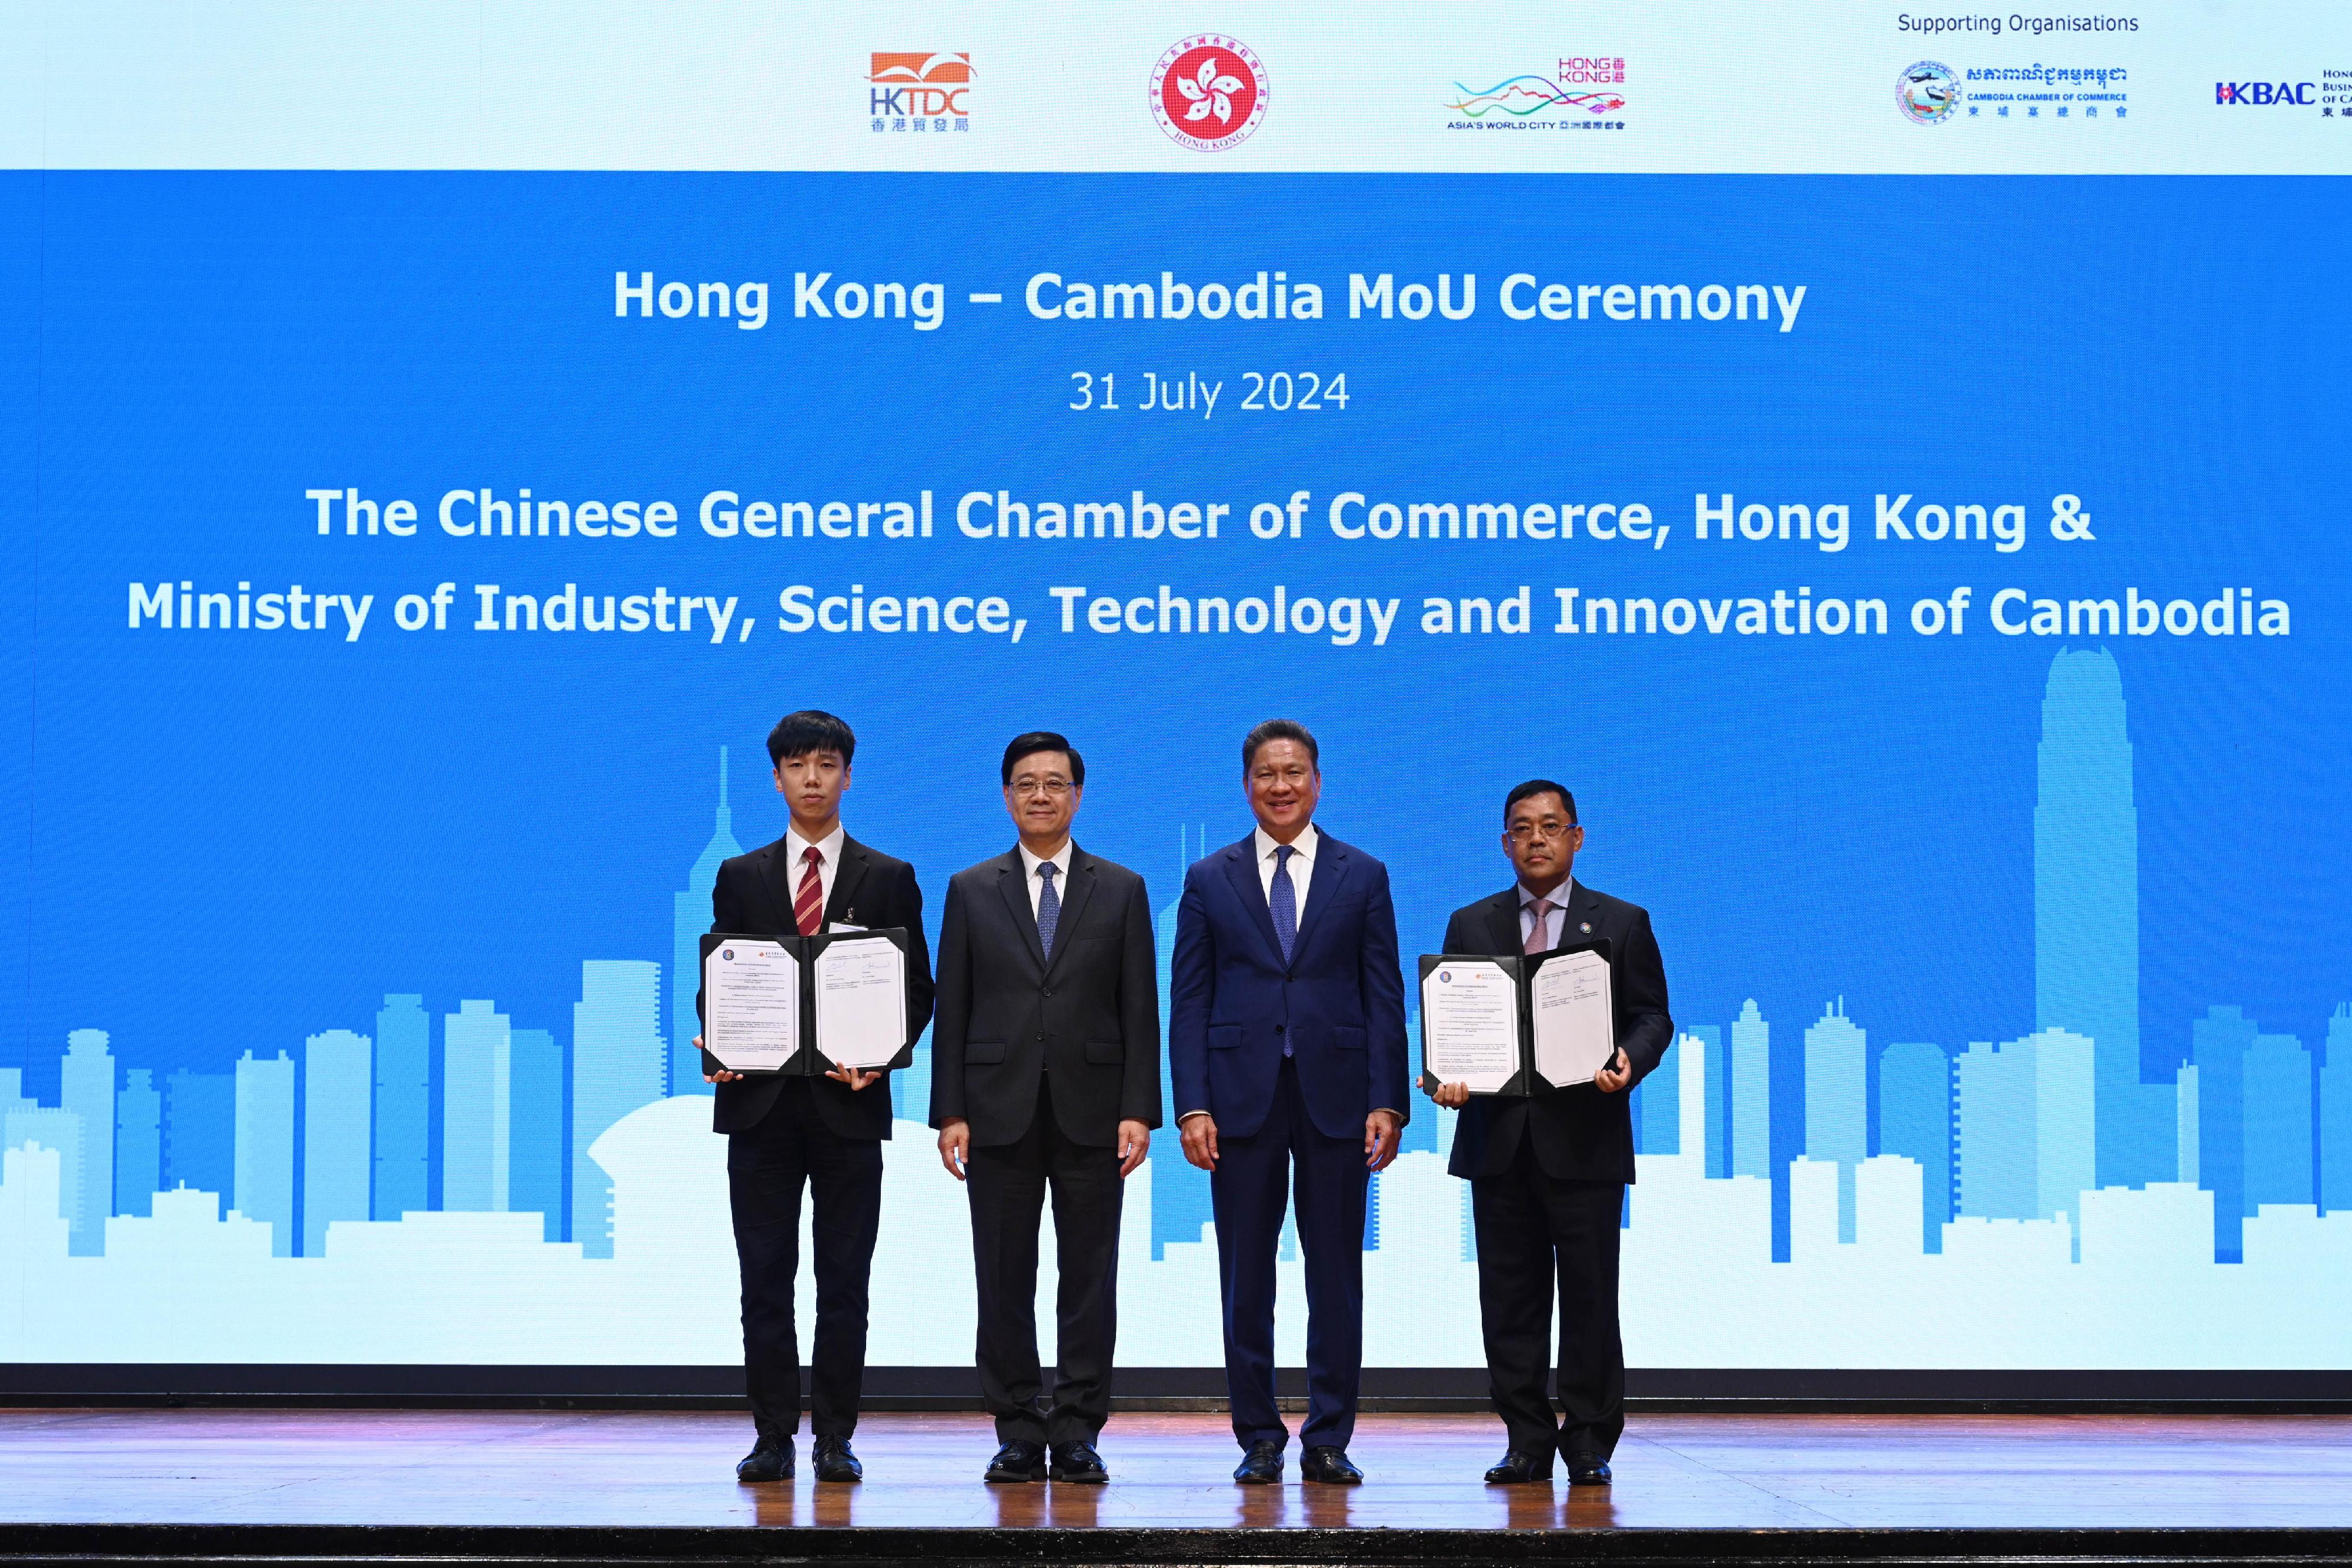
{"x":642,"y":1487}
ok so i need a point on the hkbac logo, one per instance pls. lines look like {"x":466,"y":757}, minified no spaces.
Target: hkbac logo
{"x":1928,"y":92}
{"x":2266,"y":94}
{"x":928,"y":92}
{"x":1209,"y":91}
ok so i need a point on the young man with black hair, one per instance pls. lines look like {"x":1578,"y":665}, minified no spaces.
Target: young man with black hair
{"x":1045,"y":1074}
{"x":1547,"y":1174}
{"x":784,"y":1134}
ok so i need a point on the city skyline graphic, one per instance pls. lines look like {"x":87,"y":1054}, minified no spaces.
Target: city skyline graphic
{"x":454,"y":1184}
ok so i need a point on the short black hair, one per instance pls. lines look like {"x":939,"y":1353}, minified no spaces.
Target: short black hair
{"x":1534,"y":787}
{"x":1279,"y":730}
{"x":1038,"y":740}
{"x":811,"y":729}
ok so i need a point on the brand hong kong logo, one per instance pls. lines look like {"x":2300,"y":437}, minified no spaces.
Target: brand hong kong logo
{"x":928,"y":92}
{"x":1928,"y":92}
{"x":2265,"y":94}
{"x":1581,"y":94}
{"x":1209,"y":91}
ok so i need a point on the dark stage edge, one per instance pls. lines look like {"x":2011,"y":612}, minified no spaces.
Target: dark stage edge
{"x":1202,"y":1389}
{"x":60,"y":1546}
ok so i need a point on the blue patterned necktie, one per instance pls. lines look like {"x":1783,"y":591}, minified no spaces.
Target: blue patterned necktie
{"x":1282,"y":900}
{"x":1049,"y":908}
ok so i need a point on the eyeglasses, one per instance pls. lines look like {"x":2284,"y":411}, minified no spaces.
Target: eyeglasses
{"x":1030,"y":789}
{"x":1530,"y":832}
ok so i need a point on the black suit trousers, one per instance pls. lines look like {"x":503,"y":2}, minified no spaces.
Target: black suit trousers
{"x":1536,"y":1231}
{"x":768,"y":1164}
{"x":1007,"y":1184}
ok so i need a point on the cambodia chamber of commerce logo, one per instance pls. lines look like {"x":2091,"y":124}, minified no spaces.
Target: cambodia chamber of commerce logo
{"x":926,"y":92}
{"x":1928,"y":92}
{"x":1583,"y":92}
{"x":1209,"y":91}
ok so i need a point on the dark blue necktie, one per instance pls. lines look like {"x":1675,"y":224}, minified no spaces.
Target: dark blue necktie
{"x":1049,"y":908}
{"x":1282,"y":900}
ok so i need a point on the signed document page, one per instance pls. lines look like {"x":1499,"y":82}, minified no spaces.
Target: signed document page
{"x":1575,"y":1018}
{"x":751,"y":1006}
{"x":1470,"y":1024}
{"x":861,"y":1001}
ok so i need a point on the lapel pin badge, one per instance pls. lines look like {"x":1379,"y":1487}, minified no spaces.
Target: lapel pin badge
{"x":1586,"y":927}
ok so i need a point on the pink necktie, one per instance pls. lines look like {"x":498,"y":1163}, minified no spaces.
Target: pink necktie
{"x":1536,"y":939}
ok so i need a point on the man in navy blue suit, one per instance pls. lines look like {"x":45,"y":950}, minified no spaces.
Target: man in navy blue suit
{"x":1286,"y":1040}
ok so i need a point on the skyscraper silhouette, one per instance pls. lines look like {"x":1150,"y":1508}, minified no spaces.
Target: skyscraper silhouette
{"x":689,"y":918}
{"x":2279,"y":1164}
{"x":1994,"y":1109}
{"x":2218,"y":1042}
{"x":138,"y":1142}
{"x":404,"y":1108}
{"x":1751,"y":1092}
{"x":1837,"y":1101}
{"x":265,"y":1146}
{"x":618,"y":1063}
{"x":86,"y":1080}
{"x":54,"y":1128}
{"x":338,"y":1095}
{"x":2335,"y":1114}
{"x":477,"y":1084}
{"x":535,"y":1148}
{"x":2086,"y":909}
{"x":1915,"y":1121}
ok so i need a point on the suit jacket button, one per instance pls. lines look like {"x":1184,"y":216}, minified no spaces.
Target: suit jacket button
{"x":1277,"y":1028}
{"x":1048,"y":992}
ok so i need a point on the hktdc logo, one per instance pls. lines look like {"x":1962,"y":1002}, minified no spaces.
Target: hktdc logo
{"x":1209,"y":91}
{"x":2264,"y":92}
{"x":919,"y":91}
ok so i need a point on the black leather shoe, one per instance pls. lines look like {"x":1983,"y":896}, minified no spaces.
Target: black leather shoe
{"x":771,"y":1459}
{"x":1588,"y":1471}
{"x":1329,"y":1466}
{"x":1018,"y":1461}
{"x":1519,"y":1469}
{"x":835,"y":1462}
{"x":1262,"y":1466}
{"x":1078,"y":1463}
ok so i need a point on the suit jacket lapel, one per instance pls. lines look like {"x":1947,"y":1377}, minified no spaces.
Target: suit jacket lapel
{"x":1241,"y":870}
{"x":845,"y":879}
{"x":1577,"y":925}
{"x":776,"y":876}
{"x":1503,"y":921}
{"x":1330,"y":872}
{"x":1074,"y":904}
{"x":1013,"y":887}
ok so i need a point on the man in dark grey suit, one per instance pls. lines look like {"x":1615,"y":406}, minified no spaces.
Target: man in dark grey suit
{"x":1045,"y":1071}
{"x":1547,"y":1174}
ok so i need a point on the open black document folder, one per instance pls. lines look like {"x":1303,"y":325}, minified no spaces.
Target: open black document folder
{"x":763,"y":1013}
{"x":1495,"y":1021}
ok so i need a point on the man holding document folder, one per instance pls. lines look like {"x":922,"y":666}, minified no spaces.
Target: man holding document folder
{"x":1549,"y":1160}
{"x":789,"y":1131}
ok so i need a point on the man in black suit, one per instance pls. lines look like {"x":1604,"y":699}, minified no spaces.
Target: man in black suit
{"x":1547,"y":1174}
{"x":784,"y":1132}
{"x":1046,"y":1072}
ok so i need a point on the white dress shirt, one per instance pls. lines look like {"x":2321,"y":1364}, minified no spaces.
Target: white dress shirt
{"x":796,"y":849}
{"x":1302,"y":864}
{"x":1060,"y":860}
{"x":1555,"y":918}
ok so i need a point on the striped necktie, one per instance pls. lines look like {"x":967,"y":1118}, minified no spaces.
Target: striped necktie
{"x":808,"y":904}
